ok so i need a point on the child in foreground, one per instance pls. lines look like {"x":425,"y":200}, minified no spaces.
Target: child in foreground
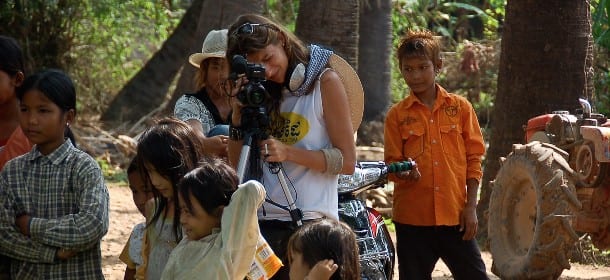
{"x":54,"y":204}
{"x":323,"y":250}
{"x":220,"y":223}
{"x":132,"y":252}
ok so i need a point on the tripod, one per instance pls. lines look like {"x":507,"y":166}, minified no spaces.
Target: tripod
{"x":254,"y":119}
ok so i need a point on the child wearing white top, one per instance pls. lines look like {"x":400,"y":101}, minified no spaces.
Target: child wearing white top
{"x":220,"y":237}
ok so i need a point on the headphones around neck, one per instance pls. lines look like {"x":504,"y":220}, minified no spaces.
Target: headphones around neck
{"x":297,"y":78}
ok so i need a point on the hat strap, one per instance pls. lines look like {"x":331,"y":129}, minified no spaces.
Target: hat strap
{"x":318,"y":58}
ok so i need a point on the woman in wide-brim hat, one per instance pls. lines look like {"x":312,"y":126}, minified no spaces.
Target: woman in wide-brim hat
{"x":207,"y":110}
{"x":314,"y":107}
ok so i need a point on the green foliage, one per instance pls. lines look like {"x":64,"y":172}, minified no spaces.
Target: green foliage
{"x":388,"y":222}
{"x":112,"y":173}
{"x":44,"y":29}
{"x":600,"y":11}
{"x":600,"y":22}
{"x":283,"y":11}
{"x":113,"y":41}
{"x":100,"y":43}
{"x":448,"y":19}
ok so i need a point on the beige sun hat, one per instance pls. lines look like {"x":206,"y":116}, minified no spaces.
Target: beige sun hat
{"x":214,"y":45}
{"x":353,"y":88}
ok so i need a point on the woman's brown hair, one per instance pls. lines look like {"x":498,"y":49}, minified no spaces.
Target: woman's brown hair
{"x":264,"y":33}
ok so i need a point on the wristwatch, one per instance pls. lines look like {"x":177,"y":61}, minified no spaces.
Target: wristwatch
{"x":235,"y":133}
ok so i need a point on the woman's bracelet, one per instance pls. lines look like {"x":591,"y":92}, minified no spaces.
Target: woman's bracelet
{"x":334,"y":160}
{"x":235,"y":133}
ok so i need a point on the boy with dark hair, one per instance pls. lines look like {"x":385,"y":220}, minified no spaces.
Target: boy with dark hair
{"x":435,"y":210}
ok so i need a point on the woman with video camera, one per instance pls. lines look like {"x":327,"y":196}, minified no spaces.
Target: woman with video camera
{"x":309,"y":124}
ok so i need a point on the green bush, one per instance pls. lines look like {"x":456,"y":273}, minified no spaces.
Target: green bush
{"x":112,"y":43}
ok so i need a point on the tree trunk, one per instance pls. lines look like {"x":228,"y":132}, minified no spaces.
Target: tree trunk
{"x":544,"y":66}
{"x":148,"y":88}
{"x":214,"y":15}
{"x":374,"y":52}
{"x":332,"y":24}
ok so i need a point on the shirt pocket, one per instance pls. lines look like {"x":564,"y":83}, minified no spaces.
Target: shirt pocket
{"x":412,"y":141}
{"x":452,"y":141}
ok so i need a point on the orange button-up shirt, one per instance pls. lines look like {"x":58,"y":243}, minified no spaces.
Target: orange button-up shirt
{"x":447,"y":145}
{"x":17,"y":144}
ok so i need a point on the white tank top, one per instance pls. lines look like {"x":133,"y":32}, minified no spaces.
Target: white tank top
{"x":314,"y":192}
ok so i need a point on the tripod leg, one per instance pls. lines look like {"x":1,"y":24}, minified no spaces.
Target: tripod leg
{"x":243,"y":158}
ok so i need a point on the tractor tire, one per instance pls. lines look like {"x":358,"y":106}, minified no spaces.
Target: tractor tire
{"x":532,"y":201}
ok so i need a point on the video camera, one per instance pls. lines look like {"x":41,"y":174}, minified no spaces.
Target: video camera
{"x":253,"y":93}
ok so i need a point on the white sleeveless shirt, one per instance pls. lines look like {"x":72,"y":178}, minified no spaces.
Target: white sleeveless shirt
{"x":314,"y":192}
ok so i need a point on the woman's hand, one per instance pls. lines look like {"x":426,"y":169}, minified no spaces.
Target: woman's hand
{"x":216,"y":145}
{"x":236,"y":105}
{"x":273,"y":150}
{"x":323,"y":270}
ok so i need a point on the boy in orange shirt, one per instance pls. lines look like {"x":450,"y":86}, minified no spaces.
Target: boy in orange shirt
{"x":435,"y":209}
{"x":13,"y":142}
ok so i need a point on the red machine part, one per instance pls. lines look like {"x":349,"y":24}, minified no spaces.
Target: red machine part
{"x":536,"y":124}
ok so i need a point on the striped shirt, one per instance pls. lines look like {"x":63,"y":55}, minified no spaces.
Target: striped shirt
{"x":65,"y":195}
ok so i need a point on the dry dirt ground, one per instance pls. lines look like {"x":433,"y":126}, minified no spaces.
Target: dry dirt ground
{"x":123,"y":215}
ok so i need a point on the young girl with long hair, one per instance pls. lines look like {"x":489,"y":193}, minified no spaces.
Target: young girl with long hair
{"x":54,"y":201}
{"x":167,"y":151}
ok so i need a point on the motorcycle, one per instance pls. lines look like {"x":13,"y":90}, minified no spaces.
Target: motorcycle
{"x":376,"y":248}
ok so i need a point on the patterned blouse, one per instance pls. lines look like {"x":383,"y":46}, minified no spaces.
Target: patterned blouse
{"x":199,"y":107}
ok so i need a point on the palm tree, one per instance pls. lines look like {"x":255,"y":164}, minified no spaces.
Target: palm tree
{"x":545,"y":65}
{"x":374,"y":51}
{"x":333,"y":24}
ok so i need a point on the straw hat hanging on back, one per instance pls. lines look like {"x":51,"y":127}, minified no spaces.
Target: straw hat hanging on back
{"x":353,"y":88}
{"x":349,"y":79}
{"x":214,"y":45}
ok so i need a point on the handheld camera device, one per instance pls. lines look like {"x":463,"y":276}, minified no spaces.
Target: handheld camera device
{"x":253,"y":93}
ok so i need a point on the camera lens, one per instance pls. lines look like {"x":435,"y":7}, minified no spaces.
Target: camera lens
{"x":253,"y":94}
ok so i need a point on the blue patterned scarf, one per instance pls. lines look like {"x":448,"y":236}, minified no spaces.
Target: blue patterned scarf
{"x":317,"y":62}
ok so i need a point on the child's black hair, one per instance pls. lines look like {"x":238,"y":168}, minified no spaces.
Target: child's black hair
{"x":212,"y":184}
{"x":11,"y":56}
{"x":172,"y":147}
{"x":57,"y":87}
{"x":327,"y":239}
{"x":133,"y":166}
